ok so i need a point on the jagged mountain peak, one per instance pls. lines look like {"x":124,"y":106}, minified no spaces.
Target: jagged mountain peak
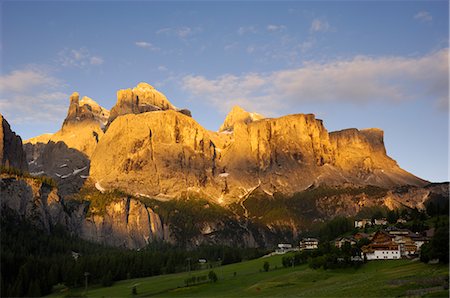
{"x":85,"y":109}
{"x":239,"y":115}
{"x":141,"y":99}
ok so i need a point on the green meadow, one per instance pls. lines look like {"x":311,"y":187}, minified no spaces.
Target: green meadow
{"x":390,"y":278}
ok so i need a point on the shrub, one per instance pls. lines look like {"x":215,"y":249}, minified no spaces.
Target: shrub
{"x":266,"y":266}
{"x":212,"y":276}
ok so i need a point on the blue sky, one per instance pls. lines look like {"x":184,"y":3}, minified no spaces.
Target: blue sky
{"x":353,"y":64}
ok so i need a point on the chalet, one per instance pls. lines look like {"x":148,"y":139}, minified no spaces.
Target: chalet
{"x":284,"y":248}
{"x":361,"y":223}
{"x":339,"y":242}
{"x":358,"y":236}
{"x":380,"y":222}
{"x":309,"y":243}
{"x":382,"y":247}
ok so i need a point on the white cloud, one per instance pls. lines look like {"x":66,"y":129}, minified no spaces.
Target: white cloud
{"x":32,"y":95}
{"x":162,"y":68}
{"x":358,"y":80}
{"x":230,"y":46}
{"x":275,"y":28}
{"x":250,"y":49}
{"x":318,"y":25}
{"x":80,"y":58}
{"x":423,"y":16}
{"x":146,"y":45}
{"x":246,"y":30}
{"x":96,"y":60}
{"x":25,"y":79}
{"x":183,"y":32}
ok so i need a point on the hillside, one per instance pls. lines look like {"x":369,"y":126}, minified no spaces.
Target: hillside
{"x":375,"y":279}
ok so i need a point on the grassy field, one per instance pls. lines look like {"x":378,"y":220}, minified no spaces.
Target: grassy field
{"x":375,"y":279}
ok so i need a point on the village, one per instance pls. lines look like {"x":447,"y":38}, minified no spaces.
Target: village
{"x":385,"y":243}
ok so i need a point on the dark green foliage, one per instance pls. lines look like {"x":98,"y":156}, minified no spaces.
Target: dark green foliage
{"x":335,"y":227}
{"x":266,"y":266}
{"x":133,"y":290}
{"x":19,"y":173}
{"x":107,"y":280}
{"x":301,"y":207}
{"x":194,"y":280}
{"x":438,"y":248}
{"x":392,"y":216}
{"x":212,"y":276}
{"x":33,"y":260}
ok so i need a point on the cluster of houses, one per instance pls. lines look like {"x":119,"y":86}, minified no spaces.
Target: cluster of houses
{"x":387,"y":244}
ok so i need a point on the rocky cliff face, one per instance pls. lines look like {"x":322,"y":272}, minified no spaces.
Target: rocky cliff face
{"x":11,"y":150}
{"x":141,"y":99}
{"x":168,"y":154}
{"x":162,"y":152}
{"x":64,"y":156}
{"x":239,"y":115}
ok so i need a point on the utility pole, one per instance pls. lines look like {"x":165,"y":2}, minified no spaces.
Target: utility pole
{"x":189,"y":265}
{"x":86,"y":274}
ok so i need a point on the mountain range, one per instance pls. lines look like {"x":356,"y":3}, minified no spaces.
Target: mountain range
{"x":146,"y":170}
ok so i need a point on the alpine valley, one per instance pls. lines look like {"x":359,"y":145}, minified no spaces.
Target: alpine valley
{"x":146,"y":171}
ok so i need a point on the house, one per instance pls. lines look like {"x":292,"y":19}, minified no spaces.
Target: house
{"x":361,"y":223}
{"x":309,"y":243}
{"x":401,"y":220}
{"x":382,"y":247}
{"x":358,"y":236}
{"x":284,"y":248}
{"x":381,"y":222}
{"x":339,"y":242}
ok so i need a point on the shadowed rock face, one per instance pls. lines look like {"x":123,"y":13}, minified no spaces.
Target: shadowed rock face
{"x":11,"y":150}
{"x":64,"y":155}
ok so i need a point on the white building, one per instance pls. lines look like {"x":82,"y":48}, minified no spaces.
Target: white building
{"x":309,"y":243}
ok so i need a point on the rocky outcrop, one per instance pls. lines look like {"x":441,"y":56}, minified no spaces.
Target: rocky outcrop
{"x":238,"y":115}
{"x":163,"y":152}
{"x":33,"y":200}
{"x":84,"y":110}
{"x":141,"y":99}
{"x":11,"y":150}
{"x":168,"y":154}
{"x":361,"y":155}
{"x":125,"y":223}
{"x":64,"y":156}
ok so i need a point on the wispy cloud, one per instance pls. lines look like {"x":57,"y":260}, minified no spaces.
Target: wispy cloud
{"x":423,"y":16}
{"x":318,"y":25}
{"x":183,"y":32}
{"x":361,"y":79}
{"x":32,"y":95}
{"x":246,"y":30}
{"x":79,"y":58}
{"x":275,"y":28}
{"x":146,"y":45}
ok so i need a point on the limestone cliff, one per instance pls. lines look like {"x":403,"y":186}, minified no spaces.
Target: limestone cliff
{"x":11,"y":150}
{"x":238,"y":115}
{"x":64,"y":156}
{"x":162,"y":152}
{"x":141,"y":99}
{"x":169,"y":154}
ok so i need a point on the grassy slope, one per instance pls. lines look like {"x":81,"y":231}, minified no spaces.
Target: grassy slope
{"x":372,"y":279}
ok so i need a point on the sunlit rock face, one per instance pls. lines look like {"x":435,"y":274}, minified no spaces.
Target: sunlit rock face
{"x":165,"y":153}
{"x":11,"y":150}
{"x":162,"y":152}
{"x":238,"y":115}
{"x":361,"y":156}
{"x":141,"y":99}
